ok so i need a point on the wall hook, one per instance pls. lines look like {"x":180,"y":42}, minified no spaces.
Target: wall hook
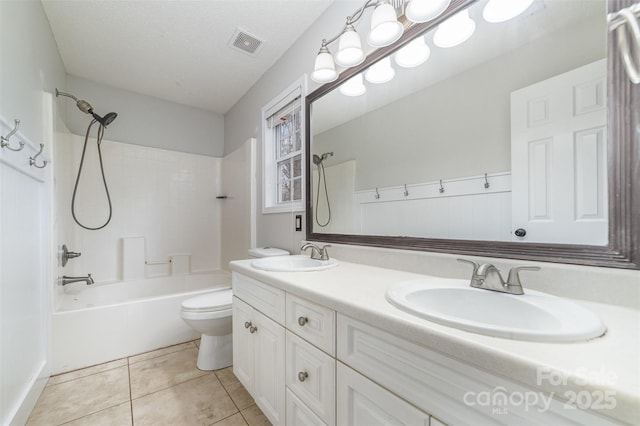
{"x":441,"y":187}
{"x":406,"y":191}
{"x":32,"y":160}
{"x":486,"y":181}
{"x":624,"y":19}
{"x":377,"y":195}
{"x":4,"y":142}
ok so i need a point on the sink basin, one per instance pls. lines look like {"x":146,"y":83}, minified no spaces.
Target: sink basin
{"x":533,"y":316}
{"x":296,"y":263}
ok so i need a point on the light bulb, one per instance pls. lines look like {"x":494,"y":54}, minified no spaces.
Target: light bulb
{"x":353,"y":87}
{"x":455,"y":30}
{"x":349,"y":48}
{"x":425,"y":10}
{"x":324,"y":70}
{"x":380,"y":72}
{"x":413,"y":54}
{"x":385,"y":28}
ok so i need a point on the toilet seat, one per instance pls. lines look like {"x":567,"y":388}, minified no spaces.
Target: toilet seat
{"x":216,"y":301}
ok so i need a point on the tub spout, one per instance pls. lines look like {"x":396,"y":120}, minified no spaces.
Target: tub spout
{"x":68,"y":280}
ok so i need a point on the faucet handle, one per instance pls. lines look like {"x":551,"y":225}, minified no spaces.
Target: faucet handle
{"x":514,"y":278}
{"x":324,"y":255}
{"x":471,"y":262}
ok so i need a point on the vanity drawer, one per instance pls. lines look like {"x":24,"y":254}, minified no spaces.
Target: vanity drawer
{"x":314,"y":323}
{"x":266,"y":299}
{"x":443,"y":386}
{"x":311,"y":376}
{"x":299,"y":414}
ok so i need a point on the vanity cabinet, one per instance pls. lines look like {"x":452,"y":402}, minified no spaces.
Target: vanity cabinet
{"x":259,"y":345}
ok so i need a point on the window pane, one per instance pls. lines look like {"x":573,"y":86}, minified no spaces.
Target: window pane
{"x":286,"y":146}
{"x":284,"y":171}
{"x":297,"y":166}
{"x":297,"y":189}
{"x":284,"y":189}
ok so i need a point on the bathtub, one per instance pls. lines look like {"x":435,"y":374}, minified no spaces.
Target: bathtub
{"x":103,"y":322}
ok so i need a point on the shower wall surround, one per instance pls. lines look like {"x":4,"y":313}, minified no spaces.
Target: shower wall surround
{"x":167,"y":197}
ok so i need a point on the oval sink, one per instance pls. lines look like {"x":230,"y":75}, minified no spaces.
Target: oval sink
{"x":296,"y":263}
{"x":533,"y":316}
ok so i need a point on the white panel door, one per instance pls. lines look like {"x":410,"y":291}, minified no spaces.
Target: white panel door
{"x":558,"y":158}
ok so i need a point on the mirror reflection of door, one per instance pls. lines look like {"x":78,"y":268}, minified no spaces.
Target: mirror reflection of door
{"x":558,"y":158}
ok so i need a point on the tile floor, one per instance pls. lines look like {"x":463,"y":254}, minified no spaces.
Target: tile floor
{"x":161,"y":387}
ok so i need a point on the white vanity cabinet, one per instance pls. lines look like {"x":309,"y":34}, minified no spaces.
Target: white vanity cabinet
{"x":259,"y":344}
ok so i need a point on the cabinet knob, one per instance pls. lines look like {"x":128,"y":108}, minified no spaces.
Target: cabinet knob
{"x":253,"y":329}
{"x":247,"y":324}
{"x":302,"y":321}
{"x":302,"y":376}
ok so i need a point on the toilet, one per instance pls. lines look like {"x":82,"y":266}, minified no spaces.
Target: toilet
{"x":210,"y":314}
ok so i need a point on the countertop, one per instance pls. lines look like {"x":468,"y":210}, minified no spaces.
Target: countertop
{"x":608,"y":363}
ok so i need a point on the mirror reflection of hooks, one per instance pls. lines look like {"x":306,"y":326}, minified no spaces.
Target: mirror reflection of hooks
{"x":486,"y":181}
{"x":377,"y":195}
{"x":406,"y":191}
{"x":441,"y":190}
{"x":32,"y":160}
{"x":4,"y":142}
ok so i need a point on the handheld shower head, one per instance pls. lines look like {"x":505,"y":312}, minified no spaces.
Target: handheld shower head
{"x":317,"y":160}
{"x":106,"y":120}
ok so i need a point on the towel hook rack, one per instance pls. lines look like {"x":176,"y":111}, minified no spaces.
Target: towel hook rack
{"x":618,"y":22}
{"x":32,"y":160}
{"x":486,"y":181}
{"x":4,"y":142}
{"x":441,"y":190}
{"x":406,"y":191}
{"x":377,"y":194}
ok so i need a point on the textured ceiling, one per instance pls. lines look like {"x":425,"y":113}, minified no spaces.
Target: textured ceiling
{"x":176,"y":50}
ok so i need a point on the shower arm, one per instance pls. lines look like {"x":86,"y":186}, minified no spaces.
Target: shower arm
{"x":68,"y":95}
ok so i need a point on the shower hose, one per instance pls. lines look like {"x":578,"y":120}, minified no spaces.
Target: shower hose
{"x":326,"y":194}
{"x":104,"y":179}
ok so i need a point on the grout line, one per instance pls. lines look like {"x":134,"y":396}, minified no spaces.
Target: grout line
{"x":227,"y":392}
{"x":169,"y":387}
{"x":80,"y":369}
{"x":90,"y":414}
{"x":130,"y":394}
{"x":158,"y":356}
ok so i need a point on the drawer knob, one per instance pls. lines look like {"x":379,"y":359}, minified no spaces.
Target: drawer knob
{"x":302,"y":376}
{"x":253,"y":329}
{"x":247,"y":324}
{"x":302,"y":321}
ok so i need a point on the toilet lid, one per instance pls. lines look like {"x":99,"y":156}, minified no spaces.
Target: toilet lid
{"x":215,"y":301}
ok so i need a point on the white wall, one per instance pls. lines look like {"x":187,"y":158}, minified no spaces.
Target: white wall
{"x":243,"y":120}
{"x":168,"y":197}
{"x":145,"y":120}
{"x":30,"y":69}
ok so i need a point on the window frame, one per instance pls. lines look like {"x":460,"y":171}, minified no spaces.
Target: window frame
{"x":270,"y":188}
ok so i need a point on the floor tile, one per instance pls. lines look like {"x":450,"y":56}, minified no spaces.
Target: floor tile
{"x":235,"y":420}
{"x":255,"y":417}
{"x":120,"y":415}
{"x":65,"y":377}
{"x":197,"y":342}
{"x":164,"y":371}
{"x":201,"y":401}
{"x":80,"y":397}
{"x":236,"y":391}
{"x":159,"y":352}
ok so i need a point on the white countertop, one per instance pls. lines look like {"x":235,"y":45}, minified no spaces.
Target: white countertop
{"x":608,"y":363}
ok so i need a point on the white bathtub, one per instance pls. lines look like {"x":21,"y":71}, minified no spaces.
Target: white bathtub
{"x":103,"y":322}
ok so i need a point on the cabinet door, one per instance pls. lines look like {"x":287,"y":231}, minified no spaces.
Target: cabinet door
{"x":243,"y":344}
{"x":269,"y":368}
{"x":362,"y":402}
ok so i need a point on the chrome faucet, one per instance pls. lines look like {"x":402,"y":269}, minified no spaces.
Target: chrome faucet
{"x":488,"y":277}
{"x":68,"y":280}
{"x":318,"y":253}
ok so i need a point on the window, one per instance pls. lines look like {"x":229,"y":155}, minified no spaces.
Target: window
{"x":283,"y":151}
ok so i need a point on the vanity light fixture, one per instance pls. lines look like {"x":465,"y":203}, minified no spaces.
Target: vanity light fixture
{"x":413,"y":54}
{"x":502,"y":10}
{"x":385,"y":29}
{"x":353,"y":87}
{"x":455,"y":30}
{"x":425,"y":10}
{"x":380,"y":72}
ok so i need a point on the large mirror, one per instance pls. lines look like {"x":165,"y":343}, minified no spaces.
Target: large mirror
{"x":502,"y":142}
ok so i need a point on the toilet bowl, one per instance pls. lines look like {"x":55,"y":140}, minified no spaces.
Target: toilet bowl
{"x":210,"y":314}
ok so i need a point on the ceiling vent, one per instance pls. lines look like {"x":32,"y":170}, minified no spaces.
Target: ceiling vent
{"x":245,"y":42}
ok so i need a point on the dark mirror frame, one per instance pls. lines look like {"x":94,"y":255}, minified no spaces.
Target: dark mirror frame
{"x":623,"y":250}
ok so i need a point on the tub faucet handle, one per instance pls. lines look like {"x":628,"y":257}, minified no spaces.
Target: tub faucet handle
{"x":66,"y":255}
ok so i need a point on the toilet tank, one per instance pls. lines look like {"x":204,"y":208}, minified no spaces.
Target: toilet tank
{"x":267,"y":252}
